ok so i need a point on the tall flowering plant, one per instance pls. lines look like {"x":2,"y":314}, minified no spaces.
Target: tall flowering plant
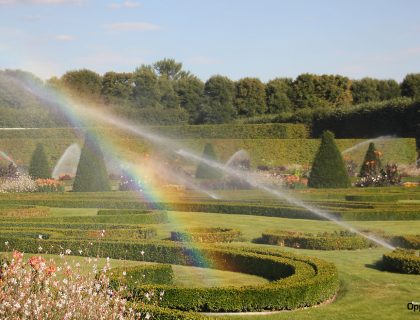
{"x":49,"y":185}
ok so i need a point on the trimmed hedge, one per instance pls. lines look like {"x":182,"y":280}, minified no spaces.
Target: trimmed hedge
{"x":128,"y":219}
{"x":324,"y":241}
{"x":141,"y":274}
{"x":297,"y":281}
{"x":111,"y":212}
{"x":403,"y":261}
{"x":383,"y":197}
{"x":206,"y":235}
{"x":24,"y":211}
{"x":407,"y":241}
{"x":160,"y":313}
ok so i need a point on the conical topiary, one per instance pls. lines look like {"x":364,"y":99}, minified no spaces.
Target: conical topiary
{"x":328,"y":168}
{"x":204,"y":171}
{"x":38,"y":167}
{"x":371,"y":165}
{"x":91,"y":174}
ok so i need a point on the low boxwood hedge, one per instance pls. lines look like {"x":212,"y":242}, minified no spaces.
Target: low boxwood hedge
{"x":110,"y":212}
{"x":131,"y":277}
{"x":23,"y":211}
{"x":403,"y":261}
{"x":323,"y":241}
{"x":406,"y":241}
{"x":206,"y":235}
{"x":382,"y":197}
{"x":296,"y":281}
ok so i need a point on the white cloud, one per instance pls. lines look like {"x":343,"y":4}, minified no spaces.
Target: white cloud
{"x":41,"y":2}
{"x":133,"y":26}
{"x":64,"y":37}
{"x":124,"y":4}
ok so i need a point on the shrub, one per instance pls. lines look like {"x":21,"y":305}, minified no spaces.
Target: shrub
{"x":204,"y":171}
{"x":371,"y":165}
{"x":328,"y":169}
{"x":406,"y":241}
{"x":141,"y":275}
{"x":91,"y":175}
{"x":49,"y":185}
{"x":20,"y":183}
{"x":387,"y":177}
{"x":38,"y":167}
{"x":403,"y":261}
{"x":207,"y":235}
{"x":323,"y":241}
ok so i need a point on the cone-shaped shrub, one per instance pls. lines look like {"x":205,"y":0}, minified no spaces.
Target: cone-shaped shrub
{"x":38,"y":167}
{"x":204,"y":171}
{"x":328,"y":168}
{"x":91,"y":175}
{"x":371,"y":164}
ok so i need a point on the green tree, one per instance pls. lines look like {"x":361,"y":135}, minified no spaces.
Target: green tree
{"x":117,"y":88}
{"x":167,"y":94}
{"x":82,"y":83}
{"x":365,"y":90}
{"x":146,"y":92}
{"x":168,"y":68}
{"x":250,"y":97}
{"x":220,"y":89}
{"x":278,"y":93}
{"x":91,"y":174}
{"x":38,"y":167}
{"x":204,"y":171}
{"x":190,"y":91}
{"x":388,"y":89}
{"x":371,"y":165}
{"x":328,"y":168}
{"x":410,"y":87}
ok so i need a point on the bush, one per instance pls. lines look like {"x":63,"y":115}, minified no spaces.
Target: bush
{"x":38,"y":167}
{"x":17,"y":184}
{"x":91,"y":175}
{"x":406,"y":241}
{"x":206,"y":235}
{"x":323,"y":241}
{"x":328,"y":169}
{"x":49,"y":185}
{"x":204,"y":171}
{"x":141,"y":275}
{"x":403,"y":261}
{"x":371,"y":164}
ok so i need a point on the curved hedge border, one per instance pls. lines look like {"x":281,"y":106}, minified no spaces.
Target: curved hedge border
{"x":144,"y":274}
{"x":206,"y":235}
{"x":403,"y":261}
{"x":296,"y":281}
{"x":324,"y":241}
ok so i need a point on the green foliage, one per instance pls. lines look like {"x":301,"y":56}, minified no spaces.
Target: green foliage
{"x":204,"y":171}
{"x":82,"y":83}
{"x":406,"y":241}
{"x":38,"y":167}
{"x":117,"y":88}
{"x":278,"y":94}
{"x":388,"y":89}
{"x":322,"y":241}
{"x":110,"y":212}
{"x":134,"y":276}
{"x":190,"y":91}
{"x":410,"y":87}
{"x":403,"y":261}
{"x":91,"y":175}
{"x":206,"y":235}
{"x":371,"y":164}
{"x":365,"y":90}
{"x":328,"y":169}
{"x":250,"y":98}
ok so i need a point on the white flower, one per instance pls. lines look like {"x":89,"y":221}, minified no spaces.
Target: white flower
{"x":124,"y":273}
{"x":147,"y":316}
{"x":68,"y":251}
{"x":6,"y":243}
{"x":142,"y":252}
{"x":39,"y":248}
{"x":40,"y":236}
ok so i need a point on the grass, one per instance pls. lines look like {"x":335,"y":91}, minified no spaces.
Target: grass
{"x":366,"y":292}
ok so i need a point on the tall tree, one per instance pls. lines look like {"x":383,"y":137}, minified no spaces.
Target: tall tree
{"x":168,"y":68}
{"x":250,"y":97}
{"x":328,"y":168}
{"x":117,"y":87}
{"x":91,"y":174}
{"x":388,"y":89}
{"x":365,"y":90}
{"x":146,"y":92}
{"x":190,"y":91}
{"x":410,"y":87}
{"x":278,"y":93}
{"x":38,"y":167}
{"x":82,"y":83}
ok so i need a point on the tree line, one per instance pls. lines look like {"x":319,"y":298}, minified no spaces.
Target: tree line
{"x":164,"y":93}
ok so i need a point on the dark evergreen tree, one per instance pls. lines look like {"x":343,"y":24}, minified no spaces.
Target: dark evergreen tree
{"x":91,"y":172}
{"x":204,"y":171}
{"x":328,"y":168}
{"x":371,"y":165}
{"x":38,"y":167}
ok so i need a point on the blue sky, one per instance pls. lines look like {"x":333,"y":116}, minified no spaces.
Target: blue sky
{"x":237,"y":38}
